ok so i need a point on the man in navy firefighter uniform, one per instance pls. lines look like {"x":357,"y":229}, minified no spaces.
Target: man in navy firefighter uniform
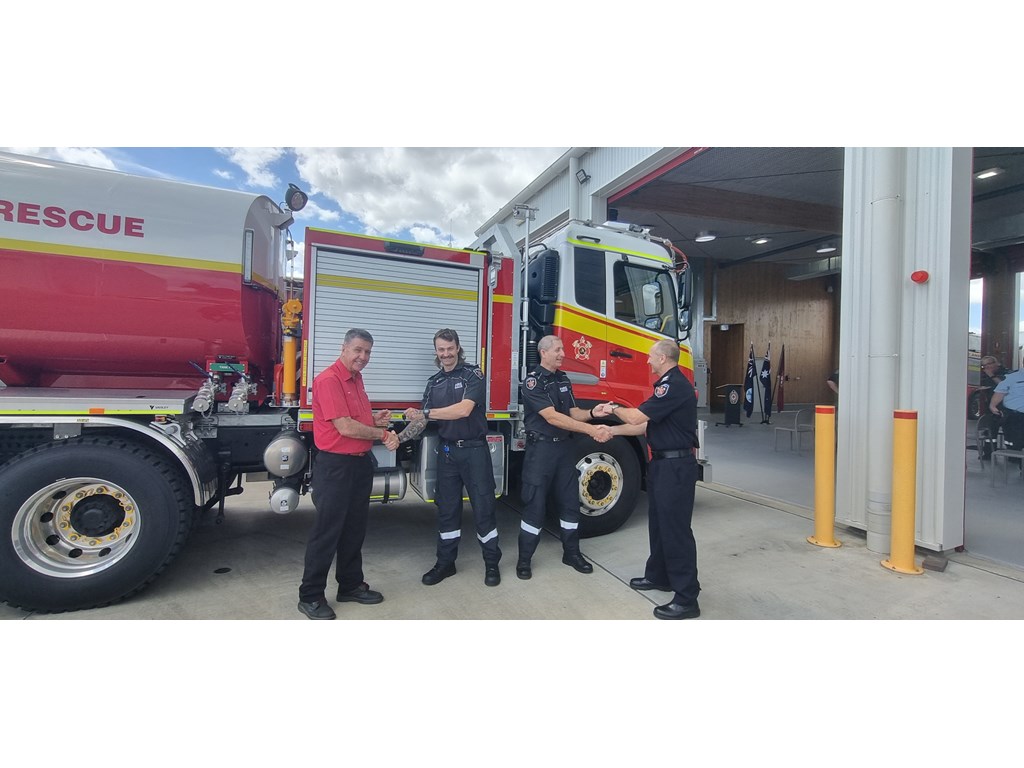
{"x":551,"y":418}
{"x":455,"y":398}
{"x":669,"y":417}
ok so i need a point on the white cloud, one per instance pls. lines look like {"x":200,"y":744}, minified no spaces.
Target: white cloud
{"x":427,"y":235}
{"x":314,"y":211}
{"x":296,"y":267}
{"x":226,"y":175}
{"x":439,"y":191}
{"x":977,"y":290}
{"x":90,"y":156}
{"x":255,"y":162}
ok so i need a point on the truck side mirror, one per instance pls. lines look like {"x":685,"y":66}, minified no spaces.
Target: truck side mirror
{"x":542,"y":276}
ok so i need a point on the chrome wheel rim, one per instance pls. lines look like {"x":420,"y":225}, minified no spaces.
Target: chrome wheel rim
{"x":600,"y":483}
{"x":76,"y":527}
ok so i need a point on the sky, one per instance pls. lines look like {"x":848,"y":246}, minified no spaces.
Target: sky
{"x":428,"y":195}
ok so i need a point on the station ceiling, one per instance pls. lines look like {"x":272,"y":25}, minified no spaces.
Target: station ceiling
{"x":791,"y":198}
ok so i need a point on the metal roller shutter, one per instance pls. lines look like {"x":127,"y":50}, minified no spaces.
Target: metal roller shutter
{"x":402,"y":303}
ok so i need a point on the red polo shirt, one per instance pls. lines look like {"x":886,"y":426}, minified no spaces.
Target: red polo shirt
{"x":338,"y":392}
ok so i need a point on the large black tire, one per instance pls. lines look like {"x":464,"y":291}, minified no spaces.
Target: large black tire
{"x":974,"y":405}
{"x":609,"y":484}
{"x":87,"y":522}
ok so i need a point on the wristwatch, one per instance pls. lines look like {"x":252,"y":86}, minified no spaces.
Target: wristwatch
{"x":426,"y":413}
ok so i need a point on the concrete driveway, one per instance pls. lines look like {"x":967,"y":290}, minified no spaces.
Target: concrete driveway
{"x":753,"y":558}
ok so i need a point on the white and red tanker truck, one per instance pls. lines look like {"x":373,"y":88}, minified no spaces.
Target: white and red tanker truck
{"x":153,"y":354}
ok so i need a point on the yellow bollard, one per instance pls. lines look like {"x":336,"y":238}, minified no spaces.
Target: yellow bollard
{"x":824,"y":477}
{"x":904,"y":493}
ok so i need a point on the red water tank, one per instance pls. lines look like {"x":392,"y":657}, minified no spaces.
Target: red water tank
{"x":118,"y":281}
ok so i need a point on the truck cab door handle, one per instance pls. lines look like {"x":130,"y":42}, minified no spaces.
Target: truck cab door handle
{"x":620,"y":353}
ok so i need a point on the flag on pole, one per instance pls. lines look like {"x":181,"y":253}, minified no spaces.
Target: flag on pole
{"x":781,"y":379}
{"x":748,"y":385}
{"x":766,"y":378}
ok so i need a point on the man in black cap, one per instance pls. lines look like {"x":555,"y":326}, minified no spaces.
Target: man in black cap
{"x":669,"y":417}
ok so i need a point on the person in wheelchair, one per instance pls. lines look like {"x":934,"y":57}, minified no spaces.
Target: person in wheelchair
{"x":992,"y":372}
{"x":1008,"y":403}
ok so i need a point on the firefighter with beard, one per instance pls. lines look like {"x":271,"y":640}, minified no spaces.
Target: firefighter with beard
{"x":455,"y":398}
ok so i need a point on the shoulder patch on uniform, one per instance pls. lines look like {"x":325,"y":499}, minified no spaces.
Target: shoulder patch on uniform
{"x":479,"y":373}
{"x":661,"y":391}
{"x":531,"y":382}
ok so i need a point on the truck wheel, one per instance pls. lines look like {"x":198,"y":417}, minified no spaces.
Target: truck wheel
{"x":87,"y":522}
{"x":974,"y":407}
{"x":609,"y":484}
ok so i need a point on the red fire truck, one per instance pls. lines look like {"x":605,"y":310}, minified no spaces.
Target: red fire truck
{"x":153,"y":354}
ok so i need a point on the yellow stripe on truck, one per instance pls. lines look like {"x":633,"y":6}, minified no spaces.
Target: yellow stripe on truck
{"x":133,"y":257}
{"x":630,"y":337}
{"x":590,"y":324}
{"x":389,"y":286}
{"x":91,"y":412}
{"x":612,"y":249}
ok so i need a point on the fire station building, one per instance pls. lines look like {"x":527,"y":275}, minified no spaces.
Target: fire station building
{"x":855,"y":259}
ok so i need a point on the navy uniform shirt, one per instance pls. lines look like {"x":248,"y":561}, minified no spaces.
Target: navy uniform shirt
{"x":545,"y":389}
{"x":672,"y":411}
{"x":464,"y":382}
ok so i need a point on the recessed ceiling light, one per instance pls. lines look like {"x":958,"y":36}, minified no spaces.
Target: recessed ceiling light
{"x":988,"y":173}
{"x":826,"y":248}
{"x":762,"y":240}
{"x":704,"y":237}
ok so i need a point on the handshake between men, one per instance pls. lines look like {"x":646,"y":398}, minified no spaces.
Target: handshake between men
{"x":383,"y":419}
{"x":603,"y":433}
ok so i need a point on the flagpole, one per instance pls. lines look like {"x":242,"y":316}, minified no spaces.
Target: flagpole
{"x":757,"y":386}
{"x":766,"y":367}
{"x":748,"y":384}
{"x":780,"y":383}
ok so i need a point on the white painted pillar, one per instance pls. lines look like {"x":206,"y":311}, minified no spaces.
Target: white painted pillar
{"x":883,"y":319}
{"x":903,"y":344}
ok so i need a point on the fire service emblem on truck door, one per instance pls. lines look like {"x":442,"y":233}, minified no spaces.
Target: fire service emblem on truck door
{"x":582,"y":347}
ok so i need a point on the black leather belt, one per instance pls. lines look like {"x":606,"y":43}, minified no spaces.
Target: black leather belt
{"x":670,"y":454}
{"x":464,"y":443}
{"x":537,"y":437}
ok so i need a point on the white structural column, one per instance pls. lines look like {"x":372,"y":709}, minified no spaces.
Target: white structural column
{"x":574,"y":188}
{"x":903,"y":343}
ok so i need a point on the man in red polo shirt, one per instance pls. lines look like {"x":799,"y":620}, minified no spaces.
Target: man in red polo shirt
{"x":344,"y":430}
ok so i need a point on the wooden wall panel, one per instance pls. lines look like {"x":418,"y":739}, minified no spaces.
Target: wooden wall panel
{"x":802,"y":314}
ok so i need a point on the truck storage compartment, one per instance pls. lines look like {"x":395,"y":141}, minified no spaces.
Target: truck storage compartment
{"x":401,"y":299}
{"x":423,"y":476}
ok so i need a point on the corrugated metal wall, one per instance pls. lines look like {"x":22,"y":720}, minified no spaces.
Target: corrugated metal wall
{"x":609,"y":168}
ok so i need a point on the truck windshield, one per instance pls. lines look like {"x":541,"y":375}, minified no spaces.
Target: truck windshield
{"x":645,"y":297}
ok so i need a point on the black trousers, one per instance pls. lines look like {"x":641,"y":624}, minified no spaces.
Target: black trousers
{"x":469,"y":466}
{"x":548,"y":468}
{"x":1013,"y":429}
{"x":341,"y":495}
{"x":673,"y":562}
